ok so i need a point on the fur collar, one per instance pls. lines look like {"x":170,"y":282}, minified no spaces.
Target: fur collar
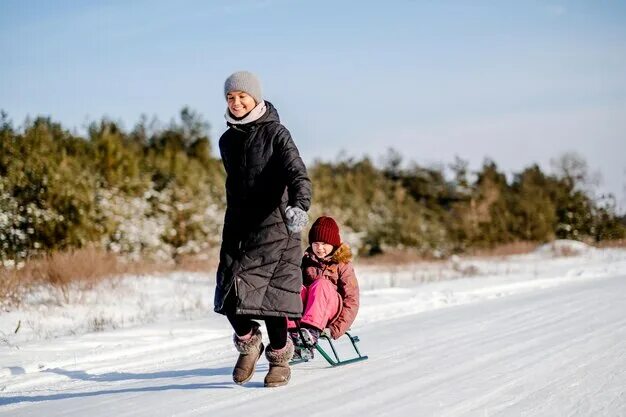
{"x":343,"y":254}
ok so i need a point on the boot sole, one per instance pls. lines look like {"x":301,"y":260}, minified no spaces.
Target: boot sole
{"x":276,"y":384}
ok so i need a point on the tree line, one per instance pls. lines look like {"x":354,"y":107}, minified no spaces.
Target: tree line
{"x":157,"y":190}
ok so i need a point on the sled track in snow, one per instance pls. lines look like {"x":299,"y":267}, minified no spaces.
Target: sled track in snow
{"x":550,"y":352}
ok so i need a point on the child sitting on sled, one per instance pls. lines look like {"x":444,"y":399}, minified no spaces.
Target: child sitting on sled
{"x":330,"y":292}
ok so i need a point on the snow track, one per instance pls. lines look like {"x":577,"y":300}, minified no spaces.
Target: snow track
{"x":557,"y":351}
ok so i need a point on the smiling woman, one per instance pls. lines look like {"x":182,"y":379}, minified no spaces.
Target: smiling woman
{"x":267,"y":194}
{"x":240,"y":103}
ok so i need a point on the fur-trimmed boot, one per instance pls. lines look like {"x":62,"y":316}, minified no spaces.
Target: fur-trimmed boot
{"x":279,"y":372}
{"x":250,"y":348}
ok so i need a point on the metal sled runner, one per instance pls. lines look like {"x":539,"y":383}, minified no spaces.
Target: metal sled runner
{"x":332,"y":356}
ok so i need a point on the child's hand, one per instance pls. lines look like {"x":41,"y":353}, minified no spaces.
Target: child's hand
{"x":297,"y":219}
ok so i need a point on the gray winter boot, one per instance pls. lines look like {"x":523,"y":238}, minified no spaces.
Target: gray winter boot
{"x":279,"y":372}
{"x":250,"y":351}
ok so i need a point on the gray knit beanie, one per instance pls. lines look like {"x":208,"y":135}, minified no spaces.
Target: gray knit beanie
{"x":244,"y":81}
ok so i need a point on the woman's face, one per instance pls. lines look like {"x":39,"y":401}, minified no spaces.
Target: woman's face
{"x":321,"y":249}
{"x":240,"y":103}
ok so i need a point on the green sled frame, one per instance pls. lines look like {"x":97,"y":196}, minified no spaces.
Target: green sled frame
{"x":332,"y":357}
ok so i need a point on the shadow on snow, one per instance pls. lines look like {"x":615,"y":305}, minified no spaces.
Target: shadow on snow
{"x":127,"y":376}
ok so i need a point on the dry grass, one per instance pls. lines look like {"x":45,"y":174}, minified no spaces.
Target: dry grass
{"x":87,"y":267}
{"x":201,"y":262}
{"x":400,"y":257}
{"x":618,"y":243}
{"x":10,"y":287}
{"x":506,"y":249}
{"x":396,"y":257}
{"x":564,"y":251}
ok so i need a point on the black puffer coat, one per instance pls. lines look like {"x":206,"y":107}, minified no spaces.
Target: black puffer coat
{"x":259,"y":272}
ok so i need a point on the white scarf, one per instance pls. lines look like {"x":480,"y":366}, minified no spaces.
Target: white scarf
{"x":255,"y":114}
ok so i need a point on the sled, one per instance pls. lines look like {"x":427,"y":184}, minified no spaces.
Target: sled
{"x":331,"y":356}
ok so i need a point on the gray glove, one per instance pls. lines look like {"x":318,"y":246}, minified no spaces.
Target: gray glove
{"x":297,"y":219}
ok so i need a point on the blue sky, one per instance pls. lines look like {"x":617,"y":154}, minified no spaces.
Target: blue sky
{"x":519,"y":82}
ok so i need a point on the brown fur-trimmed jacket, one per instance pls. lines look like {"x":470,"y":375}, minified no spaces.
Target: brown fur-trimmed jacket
{"x":339,"y":270}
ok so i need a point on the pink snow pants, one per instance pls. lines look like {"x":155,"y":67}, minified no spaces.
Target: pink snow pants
{"x":321,"y":303}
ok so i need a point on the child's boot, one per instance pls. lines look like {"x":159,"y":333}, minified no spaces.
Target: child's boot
{"x":279,"y":373}
{"x":250,"y":348}
{"x":304,"y":339}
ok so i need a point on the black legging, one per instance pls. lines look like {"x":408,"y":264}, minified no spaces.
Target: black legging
{"x":276,"y":328}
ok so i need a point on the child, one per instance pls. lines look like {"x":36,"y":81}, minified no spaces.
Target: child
{"x":330,"y":294}
{"x":267,"y":195}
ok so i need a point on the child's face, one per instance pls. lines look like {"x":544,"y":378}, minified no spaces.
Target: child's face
{"x":321,"y":249}
{"x":240,"y":103}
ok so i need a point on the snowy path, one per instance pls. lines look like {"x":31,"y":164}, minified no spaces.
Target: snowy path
{"x":557,"y":351}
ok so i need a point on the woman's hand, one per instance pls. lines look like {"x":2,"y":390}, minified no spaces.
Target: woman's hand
{"x":297,"y":219}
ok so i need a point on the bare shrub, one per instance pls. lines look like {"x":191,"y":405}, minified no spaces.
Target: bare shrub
{"x":465,"y":270}
{"x":99,"y":324}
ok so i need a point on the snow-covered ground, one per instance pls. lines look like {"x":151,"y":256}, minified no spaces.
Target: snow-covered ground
{"x":530,"y":335}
